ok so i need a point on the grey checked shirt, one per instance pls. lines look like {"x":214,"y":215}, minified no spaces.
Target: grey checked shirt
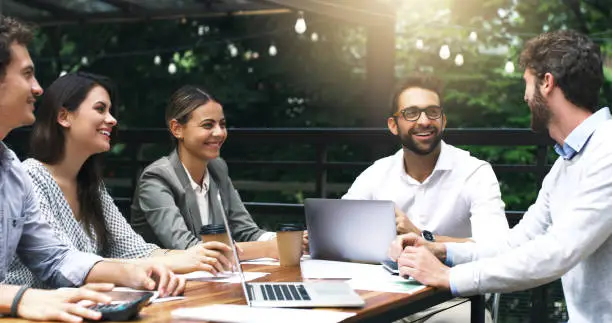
{"x":25,"y":234}
{"x":122,"y":241}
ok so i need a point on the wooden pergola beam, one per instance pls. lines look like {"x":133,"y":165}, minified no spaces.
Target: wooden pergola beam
{"x":363,"y":12}
{"x":53,"y":9}
{"x":153,"y":15}
{"x":126,"y":6}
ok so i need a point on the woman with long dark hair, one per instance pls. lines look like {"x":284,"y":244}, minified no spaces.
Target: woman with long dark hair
{"x":190,"y":188}
{"x":73,"y":129}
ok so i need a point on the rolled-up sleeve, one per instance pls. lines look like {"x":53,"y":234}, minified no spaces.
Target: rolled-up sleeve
{"x":39,"y":249}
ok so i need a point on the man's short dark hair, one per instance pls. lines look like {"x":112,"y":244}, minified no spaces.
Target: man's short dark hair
{"x":573,"y":59}
{"x":421,"y":81}
{"x":11,"y":30}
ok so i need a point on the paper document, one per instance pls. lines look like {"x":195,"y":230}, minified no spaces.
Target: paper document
{"x":225,"y":277}
{"x":243,"y":313}
{"x":262,"y":261}
{"x":321,"y":269}
{"x":154,"y":299}
{"x":392,"y":285}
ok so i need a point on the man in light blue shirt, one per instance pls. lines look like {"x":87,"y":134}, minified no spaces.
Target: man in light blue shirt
{"x":22,"y":231}
{"x":567,"y":232}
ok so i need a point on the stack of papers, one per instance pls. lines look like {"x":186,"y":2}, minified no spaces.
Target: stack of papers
{"x":225,"y":277}
{"x":154,"y":299}
{"x":262,"y":261}
{"x":243,"y":313}
{"x":359,"y":276}
{"x":321,"y":269}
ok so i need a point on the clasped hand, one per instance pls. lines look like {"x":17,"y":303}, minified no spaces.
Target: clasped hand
{"x":415,"y":258}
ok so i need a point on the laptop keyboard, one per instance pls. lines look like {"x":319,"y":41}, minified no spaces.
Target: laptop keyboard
{"x":284,"y":292}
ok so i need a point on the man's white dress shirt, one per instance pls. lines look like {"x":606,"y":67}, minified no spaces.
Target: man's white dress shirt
{"x":461,"y":198}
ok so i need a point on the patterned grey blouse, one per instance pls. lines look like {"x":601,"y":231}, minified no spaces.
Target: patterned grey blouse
{"x":123,"y":241}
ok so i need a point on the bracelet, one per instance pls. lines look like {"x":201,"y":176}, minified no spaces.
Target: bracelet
{"x":17,"y":299}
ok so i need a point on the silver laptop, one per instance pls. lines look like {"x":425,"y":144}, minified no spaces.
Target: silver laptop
{"x":294,"y":294}
{"x":350,"y":230}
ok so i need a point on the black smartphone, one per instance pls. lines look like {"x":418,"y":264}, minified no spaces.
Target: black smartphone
{"x":124,"y":306}
{"x":390,"y":266}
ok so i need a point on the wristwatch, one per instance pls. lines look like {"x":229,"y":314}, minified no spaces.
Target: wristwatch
{"x":427,"y":235}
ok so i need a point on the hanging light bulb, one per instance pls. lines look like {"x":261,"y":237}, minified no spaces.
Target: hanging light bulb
{"x":62,"y":73}
{"x":445,"y":52}
{"x":248,"y":55}
{"x":473,"y":36}
{"x":272,"y":50}
{"x":84,"y":60}
{"x":300,"y":24}
{"x":314,"y":37}
{"x":233,"y":50}
{"x":459,"y":60}
{"x":255,"y":55}
{"x":419,"y":44}
{"x":157,"y":60}
{"x":509,"y":68}
{"x":201,"y":30}
{"x":171,"y":68}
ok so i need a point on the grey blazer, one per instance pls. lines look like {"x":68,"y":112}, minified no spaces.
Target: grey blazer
{"x":165,"y":210}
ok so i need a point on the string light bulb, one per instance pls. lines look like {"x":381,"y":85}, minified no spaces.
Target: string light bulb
{"x":171,"y":68}
{"x":272,"y":51}
{"x":233,"y":50}
{"x":314,"y":37}
{"x":300,"y":24}
{"x":445,"y":52}
{"x":459,"y":60}
{"x":419,"y":44}
{"x":62,"y":73}
{"x":157,"y":60}
{"x":84,"y":60}
{"x":473,"y":36}
{"x":509,"y":68}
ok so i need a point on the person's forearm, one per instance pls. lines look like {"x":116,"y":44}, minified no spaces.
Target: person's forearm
{"x":7,"y":294}
{"x":258,"y":249}
{"x":108,"y":271}
{"x":164,"y":252}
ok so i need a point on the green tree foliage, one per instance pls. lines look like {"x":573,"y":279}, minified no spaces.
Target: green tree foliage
{"x":323,"y":82}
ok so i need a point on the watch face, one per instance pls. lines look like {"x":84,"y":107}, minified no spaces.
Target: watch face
{"x":427,"y":235}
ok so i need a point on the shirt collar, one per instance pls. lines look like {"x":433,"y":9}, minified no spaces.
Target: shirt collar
{"x":444,"y":162}
{"x":579,"y":137}
{"x":5,"y":156}
{"x":197,"y":187}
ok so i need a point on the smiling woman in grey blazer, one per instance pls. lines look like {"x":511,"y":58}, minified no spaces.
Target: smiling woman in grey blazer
{"x":179,"y":193}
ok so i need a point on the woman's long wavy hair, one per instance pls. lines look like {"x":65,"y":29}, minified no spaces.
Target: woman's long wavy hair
{"x":48,"y":144}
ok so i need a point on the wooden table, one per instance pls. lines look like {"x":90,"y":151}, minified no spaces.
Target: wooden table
{"x":380,"y":306}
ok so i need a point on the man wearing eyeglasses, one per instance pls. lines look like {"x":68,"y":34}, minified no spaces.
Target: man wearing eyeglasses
{"x":440,"y":191}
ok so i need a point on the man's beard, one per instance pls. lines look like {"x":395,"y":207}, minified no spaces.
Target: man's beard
{"x":540,"y":112}
{"x":409,"y":143}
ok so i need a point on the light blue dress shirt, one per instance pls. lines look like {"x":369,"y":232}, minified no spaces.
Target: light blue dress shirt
{"x":573,"y":144}
{"x":25,"y":234}
{"x":580,"y":136}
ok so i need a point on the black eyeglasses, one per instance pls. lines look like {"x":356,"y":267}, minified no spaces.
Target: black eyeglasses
{"x":433,"y":112}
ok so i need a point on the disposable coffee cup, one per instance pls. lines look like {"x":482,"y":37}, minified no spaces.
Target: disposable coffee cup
{"x":289,"y":242}
{"x":214,"y":232}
